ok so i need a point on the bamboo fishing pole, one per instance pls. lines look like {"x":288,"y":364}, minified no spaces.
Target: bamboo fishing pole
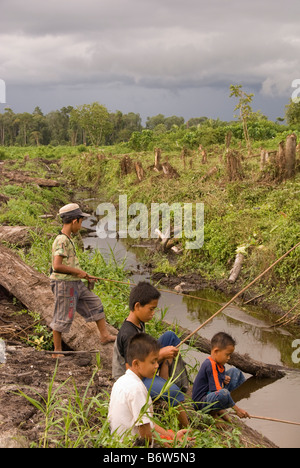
{"x":238,"y":294}
{"x":275,"y":420}
{"x":97,"y":278}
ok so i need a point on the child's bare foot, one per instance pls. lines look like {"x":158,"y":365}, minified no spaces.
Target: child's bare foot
{"x":221,"y":416}
{"x":56,"y":355}
{"x":108,"y":339}
{"x":225,"y":416}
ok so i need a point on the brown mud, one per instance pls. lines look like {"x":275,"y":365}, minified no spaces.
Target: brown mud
{"x":29,"y":370}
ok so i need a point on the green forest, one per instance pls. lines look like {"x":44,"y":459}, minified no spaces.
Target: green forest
{"x":92,"y":124}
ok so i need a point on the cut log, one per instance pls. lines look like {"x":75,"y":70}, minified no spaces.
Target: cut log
{"x":16,"y":235}
{"x":167,"y":243}
{"x":236,"y":269}
{"x":241,"y":361}
{"x":19,"y":177}
{"x":211,"y":172}
{"x":32,"y":289}
{"x":139,"y":171}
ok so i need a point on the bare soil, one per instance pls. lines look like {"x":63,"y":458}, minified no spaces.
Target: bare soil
{"x":30,"y":370}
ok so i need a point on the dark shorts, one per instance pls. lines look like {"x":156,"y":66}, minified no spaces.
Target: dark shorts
{"x":72,"y":296}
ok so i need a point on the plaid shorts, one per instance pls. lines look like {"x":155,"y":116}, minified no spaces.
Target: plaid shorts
{"x":72,"y":296}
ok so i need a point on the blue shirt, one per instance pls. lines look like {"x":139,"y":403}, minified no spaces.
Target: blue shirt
{"x":210,"y":378}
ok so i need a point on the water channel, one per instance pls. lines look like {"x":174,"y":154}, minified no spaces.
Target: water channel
{"x":248,"y":325}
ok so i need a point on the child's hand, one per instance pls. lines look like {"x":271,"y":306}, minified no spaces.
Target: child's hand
{"x":168,"y":352}
{"x":227,"y":380}
{"x":182,"y":433}
{"x":240,"y":412}
{"x":82,"y":274}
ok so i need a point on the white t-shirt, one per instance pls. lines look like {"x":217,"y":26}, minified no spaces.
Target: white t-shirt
{"x":128,"y":397}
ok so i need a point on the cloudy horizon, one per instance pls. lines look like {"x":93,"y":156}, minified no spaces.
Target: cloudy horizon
{"x":149,"y":57}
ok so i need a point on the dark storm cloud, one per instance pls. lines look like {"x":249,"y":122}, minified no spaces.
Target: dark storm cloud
{"x":151,"y":44}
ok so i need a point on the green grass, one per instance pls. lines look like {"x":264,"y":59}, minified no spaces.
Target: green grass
{"x":260,"y":215}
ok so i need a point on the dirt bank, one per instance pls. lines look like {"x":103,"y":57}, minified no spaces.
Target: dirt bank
{"x":30,"y":371}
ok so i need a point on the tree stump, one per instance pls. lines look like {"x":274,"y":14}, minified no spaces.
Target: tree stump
{"x":234,"y":166}
{"x":157,"y":157}
{"x":126,"y":165}
{"x":169,"y":171}
{"x":290,"y":155}
{"x":139,"y":171}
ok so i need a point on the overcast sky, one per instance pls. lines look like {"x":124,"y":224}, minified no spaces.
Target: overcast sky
{"x":149,"y":56}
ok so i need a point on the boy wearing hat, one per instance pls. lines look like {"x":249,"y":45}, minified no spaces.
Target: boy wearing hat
{"x":69,"y":291}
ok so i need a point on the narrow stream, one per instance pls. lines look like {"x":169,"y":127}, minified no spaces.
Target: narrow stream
{"x":265,"y":397}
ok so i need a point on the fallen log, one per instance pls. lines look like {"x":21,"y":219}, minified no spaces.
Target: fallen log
{"x":19,"y":177}
{"x":241,"y":361}
{"x":236,"y":269}
{"x":166,"y":242}
{"x":32,"y":289}
{"x":16,"y":235}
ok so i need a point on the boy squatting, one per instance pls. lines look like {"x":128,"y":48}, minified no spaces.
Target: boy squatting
{"x":213,"y":384}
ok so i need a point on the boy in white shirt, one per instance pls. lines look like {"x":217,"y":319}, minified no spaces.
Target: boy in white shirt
{"x":130,"y":406}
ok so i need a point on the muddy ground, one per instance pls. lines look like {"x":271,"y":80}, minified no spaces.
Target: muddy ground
{"x":30,"y":370}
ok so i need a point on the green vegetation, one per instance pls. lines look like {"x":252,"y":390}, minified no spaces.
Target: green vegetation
{"x":93,"y":124}
{"x":254,"y":212}
{"x":72,"y":420}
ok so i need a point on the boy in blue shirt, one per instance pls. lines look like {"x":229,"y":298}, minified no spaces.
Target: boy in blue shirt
{"x":213,"y":384}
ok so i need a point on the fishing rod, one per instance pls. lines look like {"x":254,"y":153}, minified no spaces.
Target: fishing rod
{"x":275,"y":420}
{"x":238,"y":294}
{"x":97,"y":278}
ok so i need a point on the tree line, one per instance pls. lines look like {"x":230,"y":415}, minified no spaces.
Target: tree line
{"x":92,"y":124}
{"x":89,"y":124}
